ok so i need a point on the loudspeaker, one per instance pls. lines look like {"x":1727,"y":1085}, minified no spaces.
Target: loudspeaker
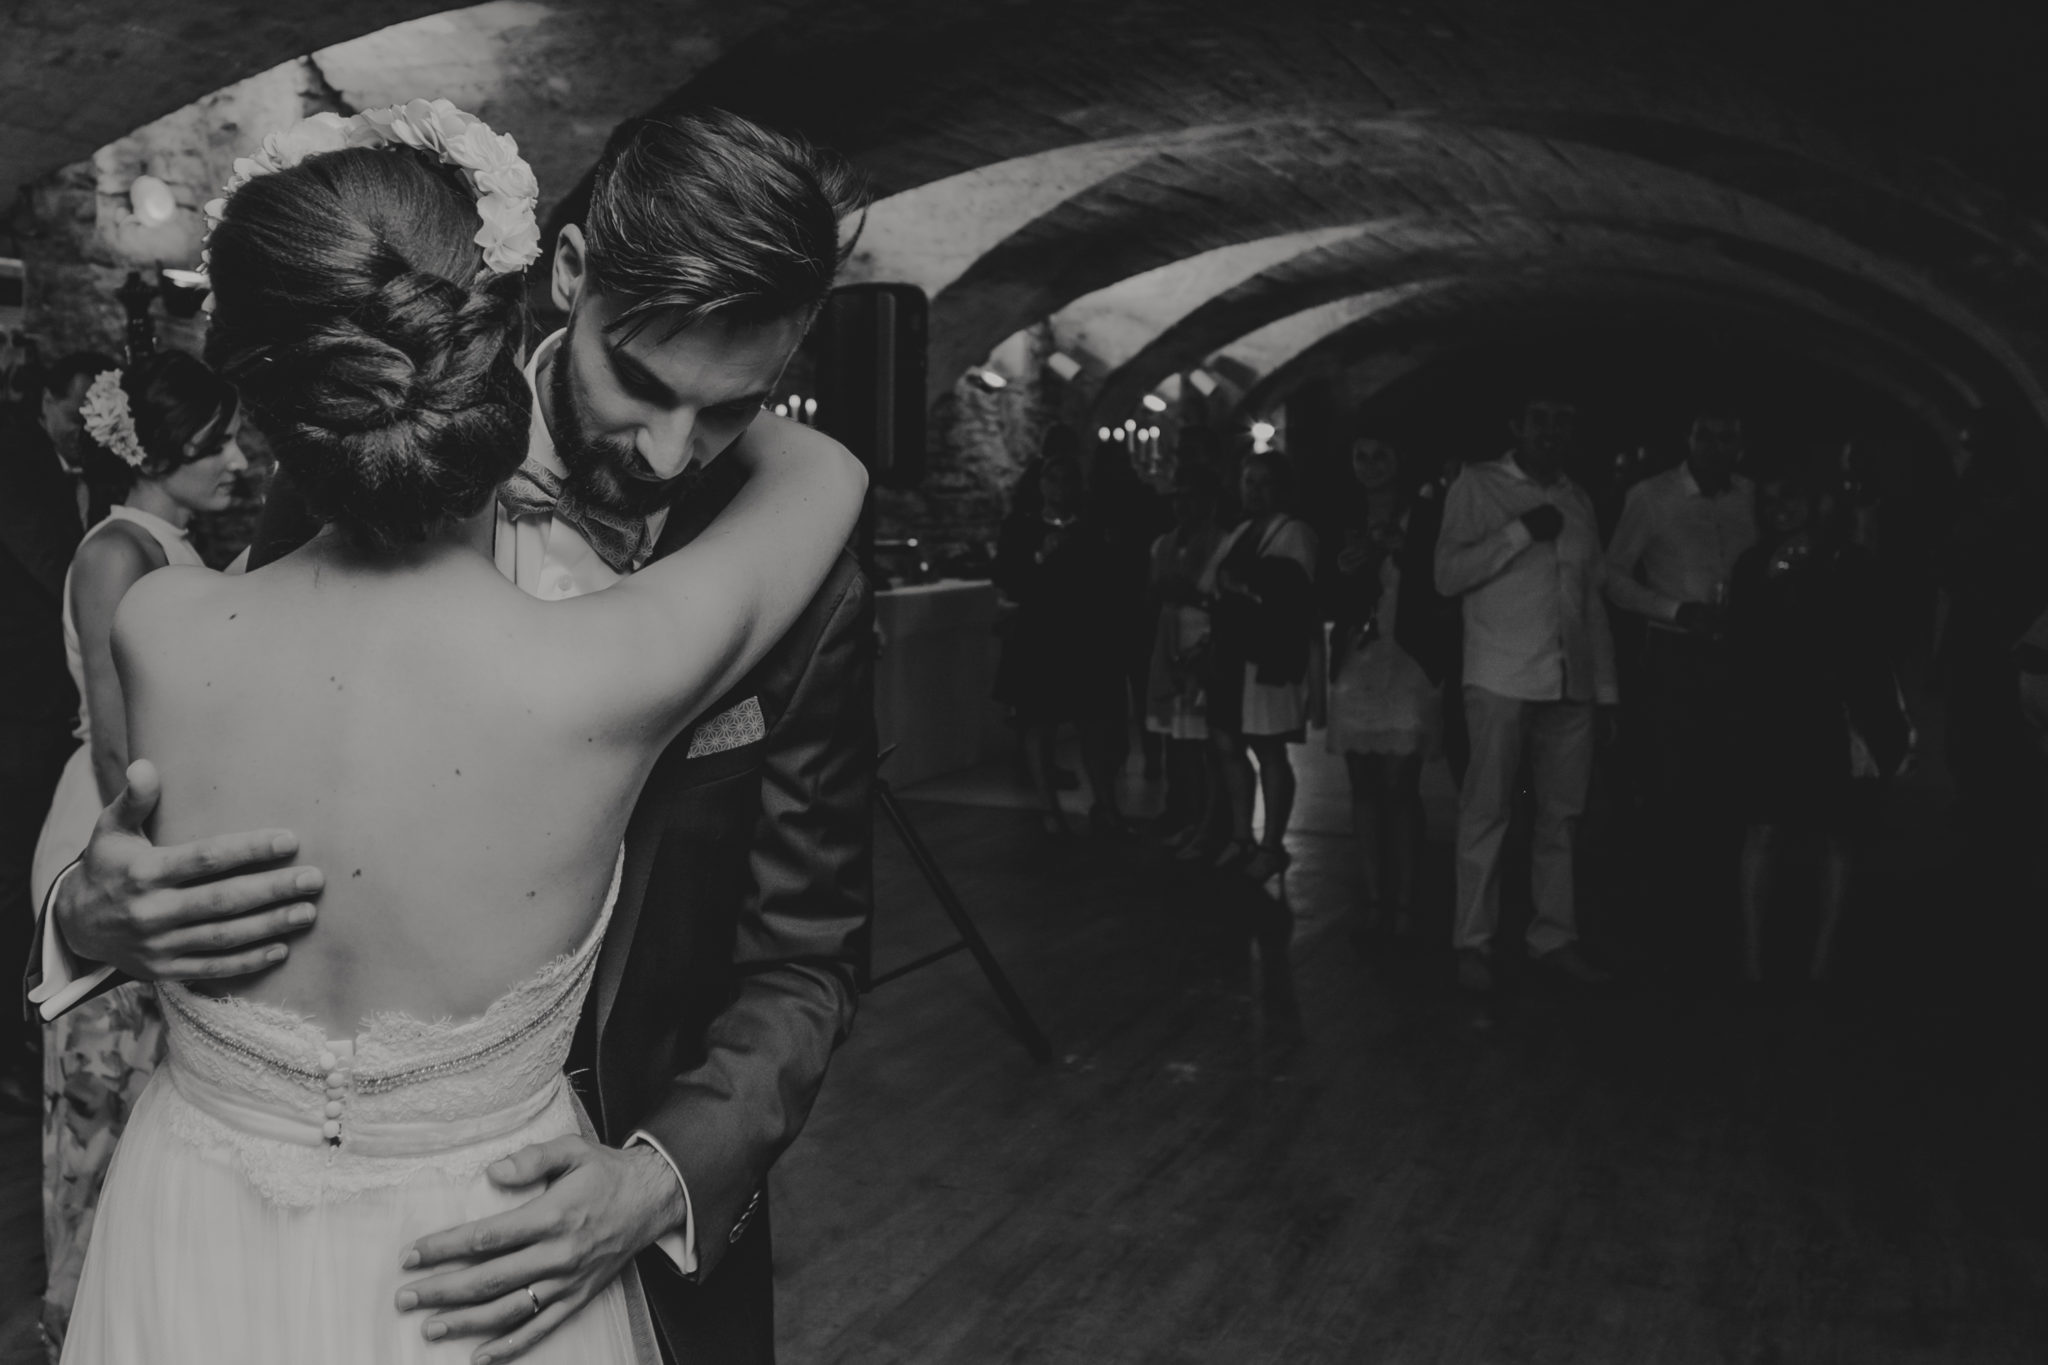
{"x":869,"y":354}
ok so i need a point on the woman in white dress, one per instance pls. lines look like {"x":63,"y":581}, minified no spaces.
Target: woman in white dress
{"x":1175,"y":707}
{"x":1265,"y":685}
{"x":1386,"y":663}
{"x":171,"y":422}
{"x":440,"y":740}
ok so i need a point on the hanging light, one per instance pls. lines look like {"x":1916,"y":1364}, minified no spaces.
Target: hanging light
{"x":1154,"y":403}
{"x":1204,"y":382}
{"x":1063,"y":365}
{"x":1103,"y":433}
{"x":988,"y":379}
{"x":1262,"y":435}
{"x":152,"y":201}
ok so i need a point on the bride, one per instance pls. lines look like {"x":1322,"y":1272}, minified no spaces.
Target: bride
{"x":438,"y":737}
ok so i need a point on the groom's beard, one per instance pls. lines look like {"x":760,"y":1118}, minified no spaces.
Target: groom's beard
{"x":598,"y":469}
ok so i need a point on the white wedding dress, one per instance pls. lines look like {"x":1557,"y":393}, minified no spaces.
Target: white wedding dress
{"x":270,"y":1180}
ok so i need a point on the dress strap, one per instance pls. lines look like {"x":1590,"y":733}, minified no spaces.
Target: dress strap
{"x":175,"y":543}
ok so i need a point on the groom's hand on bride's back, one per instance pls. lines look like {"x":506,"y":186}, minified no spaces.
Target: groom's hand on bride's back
{"x":212,"y":908}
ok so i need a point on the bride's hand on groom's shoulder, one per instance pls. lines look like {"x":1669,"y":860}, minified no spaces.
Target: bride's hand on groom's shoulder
{"x":212,"y":908}
{"x":523,"y":1273}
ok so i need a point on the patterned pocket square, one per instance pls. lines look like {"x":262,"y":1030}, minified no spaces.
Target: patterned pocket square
{"x":729,"y":729}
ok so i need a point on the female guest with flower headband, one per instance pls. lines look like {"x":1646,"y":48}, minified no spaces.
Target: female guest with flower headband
{"x":171,"y":423}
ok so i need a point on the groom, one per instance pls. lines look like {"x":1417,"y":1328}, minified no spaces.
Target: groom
{"x":730,"y":969}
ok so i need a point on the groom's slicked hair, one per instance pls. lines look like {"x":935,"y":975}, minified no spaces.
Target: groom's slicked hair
{"x":708,"y":214}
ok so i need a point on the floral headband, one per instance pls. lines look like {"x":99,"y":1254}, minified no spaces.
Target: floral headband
{"x":109,"y":420}
{"x":506,"y":192}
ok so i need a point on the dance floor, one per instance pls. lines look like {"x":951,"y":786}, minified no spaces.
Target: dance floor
{"x":1667,"y":1172}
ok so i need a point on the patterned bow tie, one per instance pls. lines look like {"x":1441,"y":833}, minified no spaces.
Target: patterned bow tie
{"x":621,"y":540}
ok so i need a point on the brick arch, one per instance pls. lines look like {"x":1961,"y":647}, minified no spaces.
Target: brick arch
{"x":1734,"y":100}
{"x":1432,"y":326}
{"x":1373,"y":257}
{"x":1909,"y":150}
{"x":1493,"y":193}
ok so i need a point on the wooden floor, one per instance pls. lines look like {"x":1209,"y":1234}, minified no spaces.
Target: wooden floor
{"x":1669,"y":1173}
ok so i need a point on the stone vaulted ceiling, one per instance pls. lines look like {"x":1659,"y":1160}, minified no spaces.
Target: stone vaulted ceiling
{"x":1286,"y":185}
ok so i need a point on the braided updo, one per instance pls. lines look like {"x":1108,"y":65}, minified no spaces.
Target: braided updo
{"x":352,"y":309}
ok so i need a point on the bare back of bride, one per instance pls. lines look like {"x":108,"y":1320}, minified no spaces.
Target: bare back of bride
{"x":441,"y":743}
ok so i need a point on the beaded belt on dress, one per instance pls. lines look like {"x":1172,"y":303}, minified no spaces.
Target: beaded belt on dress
{"x":365,"y":1137}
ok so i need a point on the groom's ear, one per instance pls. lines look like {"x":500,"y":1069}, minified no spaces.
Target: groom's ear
{"x":570,"y":272}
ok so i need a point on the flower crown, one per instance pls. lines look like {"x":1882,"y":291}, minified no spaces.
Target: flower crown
{"x":506,"y":192}
{"x":109,"y":420}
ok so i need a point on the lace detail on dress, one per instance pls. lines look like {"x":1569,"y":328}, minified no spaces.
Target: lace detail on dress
{"x":312,"y":1120}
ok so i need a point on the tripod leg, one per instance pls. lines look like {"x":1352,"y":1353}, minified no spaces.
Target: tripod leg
{"x":1033,"y":1039}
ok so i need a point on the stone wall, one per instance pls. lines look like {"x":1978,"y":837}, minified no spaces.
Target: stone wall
{"x":977,"y":442}
{"x":79,"y":237}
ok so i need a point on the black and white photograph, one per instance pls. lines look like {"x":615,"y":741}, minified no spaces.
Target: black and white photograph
{"x":1022,"y":682}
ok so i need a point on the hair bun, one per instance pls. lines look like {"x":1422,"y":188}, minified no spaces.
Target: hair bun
{"x":386,"y":383}
{"x":418,"y":349}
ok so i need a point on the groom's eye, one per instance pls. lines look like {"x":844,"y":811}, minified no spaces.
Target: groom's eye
{"x":638,"y":382}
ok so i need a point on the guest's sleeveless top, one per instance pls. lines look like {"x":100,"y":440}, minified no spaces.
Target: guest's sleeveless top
{"x":313,"y":1120}
{"x":177,"y":548}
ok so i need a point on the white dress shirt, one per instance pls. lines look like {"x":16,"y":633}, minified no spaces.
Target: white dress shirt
{"x":1535,"y":625}
{"x":545,"y":558}
{"x":1683,"y":542}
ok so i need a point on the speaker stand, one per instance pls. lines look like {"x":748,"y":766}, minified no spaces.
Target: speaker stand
{"x":970,"y":938}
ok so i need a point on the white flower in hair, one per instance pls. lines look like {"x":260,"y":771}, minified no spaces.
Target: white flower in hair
{"x":507,"y":194}
{"x":109,"y":421}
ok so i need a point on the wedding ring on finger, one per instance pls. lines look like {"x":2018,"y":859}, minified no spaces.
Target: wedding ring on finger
{"x":536,"y":1300}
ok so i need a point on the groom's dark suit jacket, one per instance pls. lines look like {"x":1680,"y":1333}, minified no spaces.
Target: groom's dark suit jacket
{"x":739,"y":941}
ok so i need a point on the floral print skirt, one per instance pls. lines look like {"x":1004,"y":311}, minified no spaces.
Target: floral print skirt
{"x":96,"y":1060}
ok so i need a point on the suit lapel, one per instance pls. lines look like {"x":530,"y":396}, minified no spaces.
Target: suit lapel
{"x":687,"y":518}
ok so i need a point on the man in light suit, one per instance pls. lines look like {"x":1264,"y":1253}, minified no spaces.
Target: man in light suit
{"x":736,"y":950}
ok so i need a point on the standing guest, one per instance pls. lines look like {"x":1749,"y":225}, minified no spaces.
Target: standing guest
{"x":2030,"y":656}
{"x":41,"y":519}
{"x":171,"y":422}
{"x":1990,"y":568}
{"x":1131,"y":515}
{"x":1670,"y":562}
{"x":1060,"y":663}
{"x":1820,"y":721}
{"x":1521,"y":548}
{"x":1264,"y":685}
{"x":1456,"y":742}
{"x":1176,"y":709}
{"x":1386,"y":664}
{"x":2030,"y":653}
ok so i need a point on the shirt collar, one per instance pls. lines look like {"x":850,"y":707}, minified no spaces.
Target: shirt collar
{"x":1691,"y":486}
{"x":1515,"y":471}
{"x":540,"y":442}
